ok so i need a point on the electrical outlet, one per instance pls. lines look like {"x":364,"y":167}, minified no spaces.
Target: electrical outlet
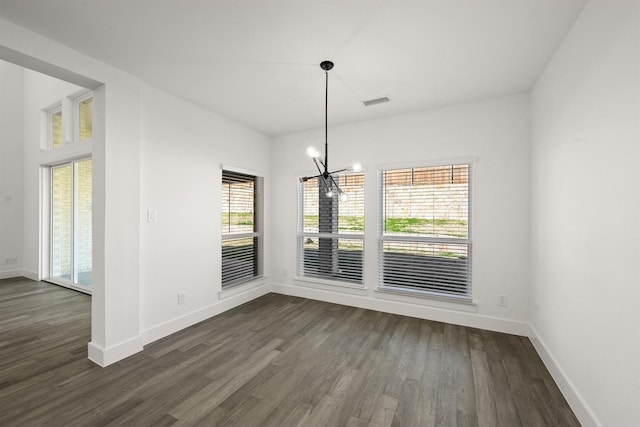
{"x":502,"y":300}
{"x":180,"y":298}
{"x":11,"y":261}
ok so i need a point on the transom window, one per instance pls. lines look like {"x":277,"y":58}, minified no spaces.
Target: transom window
{"x":84,"y":114}
{"x":69,"y":120}
{"x":425,"y":239}
{"x":55,"y":127}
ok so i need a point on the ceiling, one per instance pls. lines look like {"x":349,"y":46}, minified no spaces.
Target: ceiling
{"x":257,"y":61}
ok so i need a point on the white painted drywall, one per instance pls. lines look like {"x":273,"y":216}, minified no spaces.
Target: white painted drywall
{"x":183,"y":148}
{"x":495,"y":132}
{"x":115,"y":152}
{"x":11,"y":170}
{"x":149,"y":150}
{"x":586,"y":215}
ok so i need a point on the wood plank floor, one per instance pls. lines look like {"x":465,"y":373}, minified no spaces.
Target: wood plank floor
{"x":276,"y":361}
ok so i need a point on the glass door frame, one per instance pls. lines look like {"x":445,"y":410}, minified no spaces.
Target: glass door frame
{"x":70,"y":283}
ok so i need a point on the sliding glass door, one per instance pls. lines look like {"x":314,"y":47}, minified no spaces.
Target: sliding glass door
{"x":71,"y":204}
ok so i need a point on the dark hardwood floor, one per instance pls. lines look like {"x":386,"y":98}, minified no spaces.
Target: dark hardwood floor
{"x":276,"y":361}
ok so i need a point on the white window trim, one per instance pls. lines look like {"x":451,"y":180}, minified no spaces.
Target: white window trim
{"x":416,"y":293}
{"x":259,"y":279}
{"x":471,"y":160}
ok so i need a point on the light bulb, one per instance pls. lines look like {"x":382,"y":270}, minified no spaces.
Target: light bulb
{"x":329,"y":193}
{"x":312,"y":152}
{"x":357,"y":167}
{"x":344,"y":197}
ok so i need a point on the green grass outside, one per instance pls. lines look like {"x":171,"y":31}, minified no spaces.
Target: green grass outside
{"x":442,"y":227}
{"x":237,"y":218}
{"x":438,"y":226}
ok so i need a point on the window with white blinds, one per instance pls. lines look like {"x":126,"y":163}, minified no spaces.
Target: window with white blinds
{"x":331,"y":231}
{"x":425,"y":238}
{"x":241,"y":228}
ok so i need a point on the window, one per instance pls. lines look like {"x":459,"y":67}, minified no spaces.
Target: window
{"x":241,"y":228}
{"x":84,"y":118}
{"x":330,"y":231}
{"x":69,"y":120}
{"x":55,"y":127}
{"x":425,"y":243}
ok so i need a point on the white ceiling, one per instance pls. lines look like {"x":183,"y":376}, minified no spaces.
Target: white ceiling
{"x":256,"y":61}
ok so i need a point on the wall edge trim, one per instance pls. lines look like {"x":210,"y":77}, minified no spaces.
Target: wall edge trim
{"x":581,"y":409}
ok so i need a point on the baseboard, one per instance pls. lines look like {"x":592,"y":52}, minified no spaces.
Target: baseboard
{"x":106,"y":356}
{"x":421,"y":311}
{"x":10,"y":274}
{"x":574,"y":398}
{"x":31,"y":275}
{"x":174,"y":325}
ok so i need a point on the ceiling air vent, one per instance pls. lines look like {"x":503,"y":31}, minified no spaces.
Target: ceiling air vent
{"x":376,"y":101}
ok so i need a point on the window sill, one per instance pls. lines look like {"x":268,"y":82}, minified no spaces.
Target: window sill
{"x":309,"y":281}
{"x":241,"y":287}
{"x":426,"y":298}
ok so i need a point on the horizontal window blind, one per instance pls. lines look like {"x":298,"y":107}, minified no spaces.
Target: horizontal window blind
{"x":331,"y":231}
{"x":424,"y":243}
{"x":241,"y":228}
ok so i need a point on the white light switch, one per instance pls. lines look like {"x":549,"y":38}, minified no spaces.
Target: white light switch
{"x":152,"y":215}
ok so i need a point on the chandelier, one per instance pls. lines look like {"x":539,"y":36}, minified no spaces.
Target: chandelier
{"x":322,"y":164}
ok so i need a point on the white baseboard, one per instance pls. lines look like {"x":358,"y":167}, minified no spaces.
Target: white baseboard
{"x":582,"y":410}
{"x":174,"y":325}
{"x":31,"y":275}
{"x":106,"y":356}
{"x":10,"y":274}
{"x":421,"y":311}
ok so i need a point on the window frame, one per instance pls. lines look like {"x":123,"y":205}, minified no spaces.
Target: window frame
{"x":258,"y":225}
{"x":302,"y":235}
{"x":69,"y":109}
{"x":466,"y":298}
{"x":51,"y":111}
{"x":77,"y":100}
{"x":49,"y":250}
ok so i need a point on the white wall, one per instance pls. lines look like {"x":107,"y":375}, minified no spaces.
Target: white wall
{"x":149,"y":150}
{"x":11,"y":169}
{"x":115,"y":329}
{"x":183,"y":148}
{"x":586,"y":215}
{"x":496,"y":133}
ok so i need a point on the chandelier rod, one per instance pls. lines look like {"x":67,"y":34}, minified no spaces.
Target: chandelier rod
{"x":326,"y":126}
{"x":327,"y":177}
